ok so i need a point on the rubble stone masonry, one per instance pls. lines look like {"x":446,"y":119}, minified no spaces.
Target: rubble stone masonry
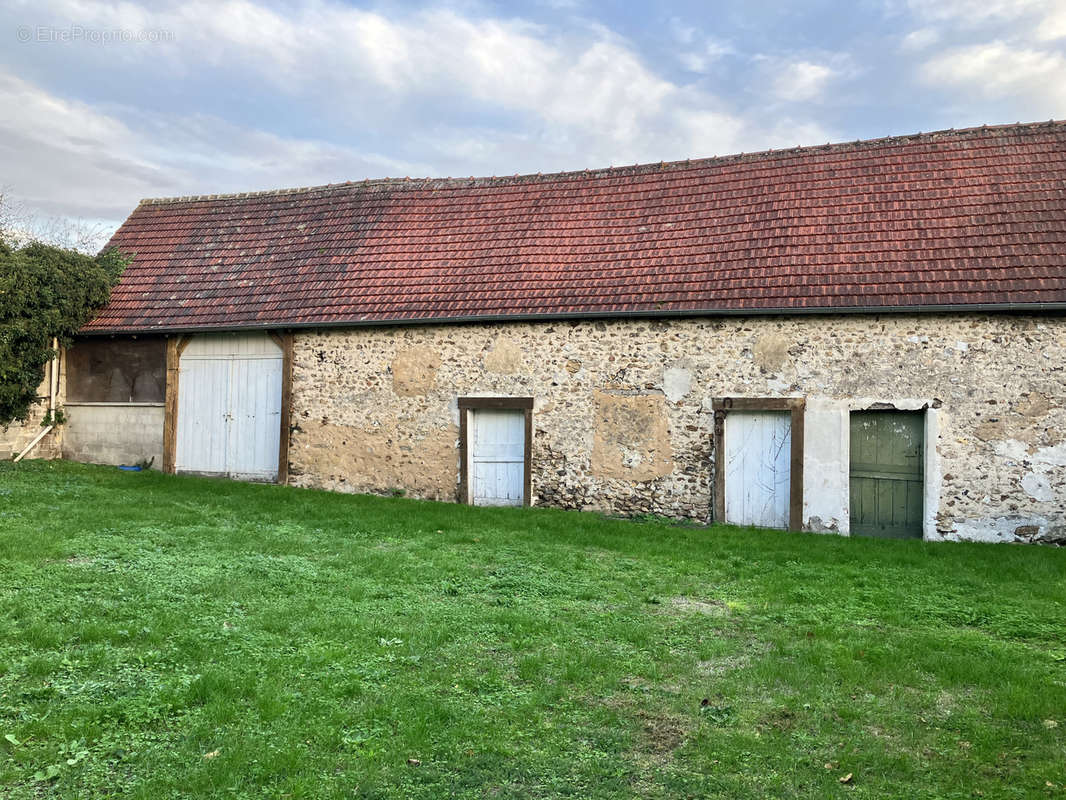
{"x":623,"y":418}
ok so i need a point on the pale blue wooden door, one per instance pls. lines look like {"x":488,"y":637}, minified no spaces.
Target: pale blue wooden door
{"x":758,"y":459}
{"x":498,"y":458}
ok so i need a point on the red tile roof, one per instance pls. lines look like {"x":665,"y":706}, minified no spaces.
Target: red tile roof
{"x":974,"y":218}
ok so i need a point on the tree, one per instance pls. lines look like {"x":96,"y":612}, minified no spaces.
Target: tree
{"x":46,"y":292}
{"x":19,"y":226}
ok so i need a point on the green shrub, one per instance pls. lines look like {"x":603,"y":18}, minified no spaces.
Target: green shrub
{"x":45,"y":292}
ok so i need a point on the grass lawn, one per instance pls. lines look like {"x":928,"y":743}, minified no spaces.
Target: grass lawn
{"x":183,"y":637}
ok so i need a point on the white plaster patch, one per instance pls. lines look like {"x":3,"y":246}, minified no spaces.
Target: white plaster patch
{"x":819,"y":525}
{"x":677,"y":382}
{"x":825,"y":466}
{"x":1051,"y":456}
{"x":1011,"y":449}
{"x":778,"y":386}
{"x":1000,"y":529}
{"x":898,"y":403}
{"x":1038,"y":487}
{"x":933,"y":474}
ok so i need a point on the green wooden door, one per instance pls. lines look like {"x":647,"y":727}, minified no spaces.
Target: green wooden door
{"x":887,"y":487}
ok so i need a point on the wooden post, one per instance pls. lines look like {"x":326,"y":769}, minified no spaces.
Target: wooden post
{"x":175,"y":346}
{"x":284,"y":341}
{"x":795,"y":503}
{"x":719,"y":463}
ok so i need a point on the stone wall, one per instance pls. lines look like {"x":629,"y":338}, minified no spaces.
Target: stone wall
{"x":623,"y":421}
{"x":16,"y":436}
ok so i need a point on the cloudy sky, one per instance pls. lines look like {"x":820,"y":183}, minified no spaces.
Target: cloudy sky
{"x":103,"y":103}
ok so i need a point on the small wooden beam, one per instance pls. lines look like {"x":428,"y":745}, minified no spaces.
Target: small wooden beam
{"x":33,"y":443}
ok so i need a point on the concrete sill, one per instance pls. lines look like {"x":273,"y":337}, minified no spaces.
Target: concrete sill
{"x":69,"y":404}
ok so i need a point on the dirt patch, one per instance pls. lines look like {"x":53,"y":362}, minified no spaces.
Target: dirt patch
{"x":780,"y":719}
{"x":661,"y":734}
{"x":720,"y":666}
{"x":80,"y":561}
{"x":729,"y":662}
{"x":993,"y":430}
{"x":1034,"y":404}
{"x":712,"y":608}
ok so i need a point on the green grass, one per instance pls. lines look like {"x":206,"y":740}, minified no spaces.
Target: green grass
{"x":182,"y":637}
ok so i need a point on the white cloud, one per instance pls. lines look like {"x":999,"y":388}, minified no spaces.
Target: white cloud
{"x":802,"y":81}
{"x":595,"y":89}
{"x":977,"y":10}
{"x":701,"y":59}
{"x":1036,"y":78}
{"x":996,"y":54}
{"x":698,"y":50}
{"x":1053,"y":25}
{"x":920,"y":39}
{"x":682,"y":31}
{"x":466,"y":94}
{"x":65,"y":158}
{"x":1043,"y":19}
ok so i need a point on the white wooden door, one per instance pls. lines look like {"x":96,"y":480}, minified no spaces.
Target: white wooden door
{"x":203,"y":409}
{"x":758,"y":458}
{"x":229,"y":407}
{"x":498,"y":457}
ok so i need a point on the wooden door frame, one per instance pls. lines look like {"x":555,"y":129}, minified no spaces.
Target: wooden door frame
{"x":284,"y":341}
{"x":468,"y":404}
{"x":795,"y":405}
{"x":175,"y":347}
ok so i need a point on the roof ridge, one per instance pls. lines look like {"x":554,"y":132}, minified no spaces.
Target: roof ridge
{"x":635,"y":169}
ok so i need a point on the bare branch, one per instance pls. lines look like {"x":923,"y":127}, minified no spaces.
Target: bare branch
{"x":20,"y":226}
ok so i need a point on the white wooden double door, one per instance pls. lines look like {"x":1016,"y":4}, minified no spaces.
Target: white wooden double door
{"x":758,"y":462}
{"x":498,"y":457}
{"x":229,"y":407}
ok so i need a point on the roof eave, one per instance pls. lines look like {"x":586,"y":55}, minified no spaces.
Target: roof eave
{"x":1029,"y":308}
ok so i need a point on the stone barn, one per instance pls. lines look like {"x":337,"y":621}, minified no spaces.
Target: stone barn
{"x":862,"y":338}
